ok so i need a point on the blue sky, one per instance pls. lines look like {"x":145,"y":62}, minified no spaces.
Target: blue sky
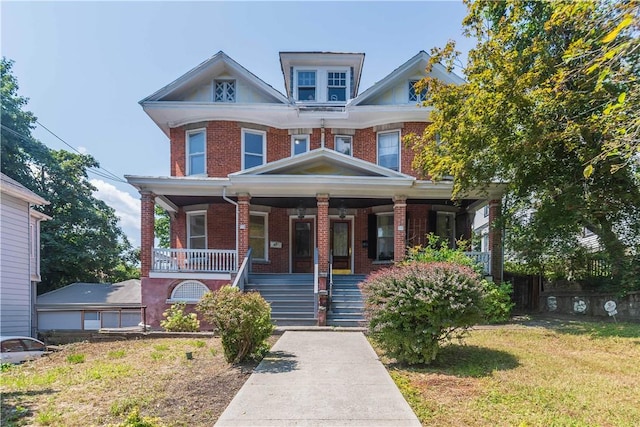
{"x":85,"y":65}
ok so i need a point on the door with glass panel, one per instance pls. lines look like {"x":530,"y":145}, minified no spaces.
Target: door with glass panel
{"x":302,"y":244}
{"x":341,"y":245}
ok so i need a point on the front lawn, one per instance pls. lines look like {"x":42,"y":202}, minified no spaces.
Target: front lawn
{"x":561,"y":374}
{"x":102,"y":383}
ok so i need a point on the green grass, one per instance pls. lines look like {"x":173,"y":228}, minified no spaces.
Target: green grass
{"x":116,"y":354}
{"x":578,"y":374}
{"x":75,"y":358}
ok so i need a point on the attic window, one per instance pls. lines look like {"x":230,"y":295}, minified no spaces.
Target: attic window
{"x":337,"y":86}
{"x":416,"y":97}
{"x":225,"y":91}
{"x":306,"y":85}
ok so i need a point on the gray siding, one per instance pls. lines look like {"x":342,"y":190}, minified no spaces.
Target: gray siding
{"x":15,"y":283}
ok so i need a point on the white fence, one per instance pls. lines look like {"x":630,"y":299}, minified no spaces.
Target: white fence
{"x":194,"y":260}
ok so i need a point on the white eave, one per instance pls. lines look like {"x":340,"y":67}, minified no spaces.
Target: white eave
{"x":13,"y":188}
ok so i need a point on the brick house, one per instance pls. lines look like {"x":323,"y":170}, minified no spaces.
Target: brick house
{"x":293,"y":194}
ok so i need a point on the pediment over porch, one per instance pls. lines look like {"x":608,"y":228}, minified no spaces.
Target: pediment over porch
{"x":321,"y":162}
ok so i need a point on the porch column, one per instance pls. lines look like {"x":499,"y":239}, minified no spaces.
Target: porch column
{"x":399,"y":227}
{"x":323,"y":255}
{"x":495,"y":239}
{"x":243,"y":225}
{"x":147,"y":222}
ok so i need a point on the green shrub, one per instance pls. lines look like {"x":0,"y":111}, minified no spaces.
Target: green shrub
{"x":134,"y":419}
{"x":75,"y":358}
{"x":414,"y":307}
{"x":497,"y":304}
{"x":243,"y":320}
{"x":176,"y":320}
{"x":438,"y":250}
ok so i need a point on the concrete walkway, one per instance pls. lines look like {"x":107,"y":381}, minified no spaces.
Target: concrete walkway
{"x":319,"y":379}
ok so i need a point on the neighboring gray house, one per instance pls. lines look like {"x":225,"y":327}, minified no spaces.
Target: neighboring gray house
{"x":91,"y":306}
{"x":19,"y":256}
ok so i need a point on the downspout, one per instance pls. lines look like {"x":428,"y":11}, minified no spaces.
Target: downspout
{"x":224,"y":196}
{"x":322,"y":133}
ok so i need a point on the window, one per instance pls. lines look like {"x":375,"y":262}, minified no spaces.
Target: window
{"x":197,"y":230}
{"x":225,"y":91}
{"x":486,"y":211}
{"x":344,"y":145}
{"x":299,"y":144}
{"x":258,"y":237}
{"x":384,"y":242}
{"x":306,"y":85}
{"x":336,"y":86}
{"x":253,"y":148}
{"x":389,"y":150}
{"x":196,"y":152}
{"x":189,"y":291}
{"x":416,"y":97}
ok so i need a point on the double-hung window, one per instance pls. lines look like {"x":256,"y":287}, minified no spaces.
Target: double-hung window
{"x":336,"y":86}
{"x":384,"y":236}
{"x":416,"y":96}
{"x":196,"y":157}
{"x":389,"y":150}
{"x":344,"y":145}
{"x":299,"y":144}
{"x":253,"y":148}
{"x":197,"y":230}
{"x":225,"y":91}
{"x":306,"y":85}
{"x":258,"y":235}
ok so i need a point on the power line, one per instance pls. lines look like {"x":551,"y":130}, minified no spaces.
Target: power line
{"x":98,"y":171}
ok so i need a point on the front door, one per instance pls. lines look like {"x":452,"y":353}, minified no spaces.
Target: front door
{"x":302,"y":246}
{"x":341,"y":246}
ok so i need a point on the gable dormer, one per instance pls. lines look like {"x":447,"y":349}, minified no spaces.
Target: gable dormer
{"x":321,"y":78}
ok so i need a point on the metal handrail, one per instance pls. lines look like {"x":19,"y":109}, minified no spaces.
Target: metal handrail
{"x":242,"y":277}
{"x":315,"y":282}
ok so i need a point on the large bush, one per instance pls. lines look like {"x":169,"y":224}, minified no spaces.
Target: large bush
{"x":497,"y":304}
{"x":176,"y":320}
{"x":242,"y":319}
{"x":414,"y":307}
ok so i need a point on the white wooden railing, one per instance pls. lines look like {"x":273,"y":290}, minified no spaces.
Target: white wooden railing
{"x":242,"y":277}
{"x":194,"y":260}
{"x":482,"y":258}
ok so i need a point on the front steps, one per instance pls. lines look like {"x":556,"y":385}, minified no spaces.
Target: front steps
{"x":290,"y":295}
{"x":346,"y":302}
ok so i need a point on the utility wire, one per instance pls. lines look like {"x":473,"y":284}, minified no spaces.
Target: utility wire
{"x":99,"y":171}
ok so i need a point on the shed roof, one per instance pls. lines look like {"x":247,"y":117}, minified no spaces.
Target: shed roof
{"x":115,"y":294}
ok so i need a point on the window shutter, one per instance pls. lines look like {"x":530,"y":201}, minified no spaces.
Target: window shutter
{"x":373,"y":236}
{"x":433,"y":218}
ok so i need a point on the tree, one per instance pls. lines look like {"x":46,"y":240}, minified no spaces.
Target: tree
{"x":162,"y":227}
{"x":532,"y":113}
{"x":82,"y":242}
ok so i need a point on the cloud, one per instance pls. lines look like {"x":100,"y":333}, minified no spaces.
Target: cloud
{"x":83,"y":150}
{"x":127,"y":208}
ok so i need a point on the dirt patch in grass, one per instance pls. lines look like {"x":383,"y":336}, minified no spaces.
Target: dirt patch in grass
{"x":101,"y":383}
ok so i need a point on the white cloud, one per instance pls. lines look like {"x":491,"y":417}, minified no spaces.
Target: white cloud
{"x":127,"y":208}
{"x":83,"y":150}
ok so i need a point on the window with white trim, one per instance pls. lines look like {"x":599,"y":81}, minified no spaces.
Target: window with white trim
{"x":299,"y":144}
{"x":190,"y":291}
{"x":225,"y":91}
{"x":259,"y":235}
{"x":197,"y":230}
{"x":485,"y":211}
{"x":416,"y":97}
{"x":196,"y":157}
{"x":253,"y":148}
{"x":384,"y":236}
{"x":389,"y":150}
{"x":306,"y":85}
{"x":344,"y":145}
{"x":336,"y":86}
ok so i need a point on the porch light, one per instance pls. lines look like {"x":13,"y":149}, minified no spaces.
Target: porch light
{"x":301,"y":213}
{"x":342,"y":212}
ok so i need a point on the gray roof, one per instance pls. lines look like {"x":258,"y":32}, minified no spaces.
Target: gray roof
{"x":125,"y":293}
{"x":11,"y":186}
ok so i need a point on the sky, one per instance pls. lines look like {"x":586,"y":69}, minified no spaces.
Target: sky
{"x":85,"y":65}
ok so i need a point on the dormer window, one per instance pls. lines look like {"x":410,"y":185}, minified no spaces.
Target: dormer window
{"x":225,"y":91}
{"x":416,"y":97}
{"x":306,"y":85}
{"x":337,"y":86}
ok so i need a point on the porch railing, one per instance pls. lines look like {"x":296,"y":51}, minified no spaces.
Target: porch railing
{"x":482,"y":258}
{"x":242,"y":278}
{"x":194,"y":260}
{"x":315,"y":282}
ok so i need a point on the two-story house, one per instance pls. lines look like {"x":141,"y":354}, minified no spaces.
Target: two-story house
{"x":19,"y":256}
{"x":308,"y":189}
